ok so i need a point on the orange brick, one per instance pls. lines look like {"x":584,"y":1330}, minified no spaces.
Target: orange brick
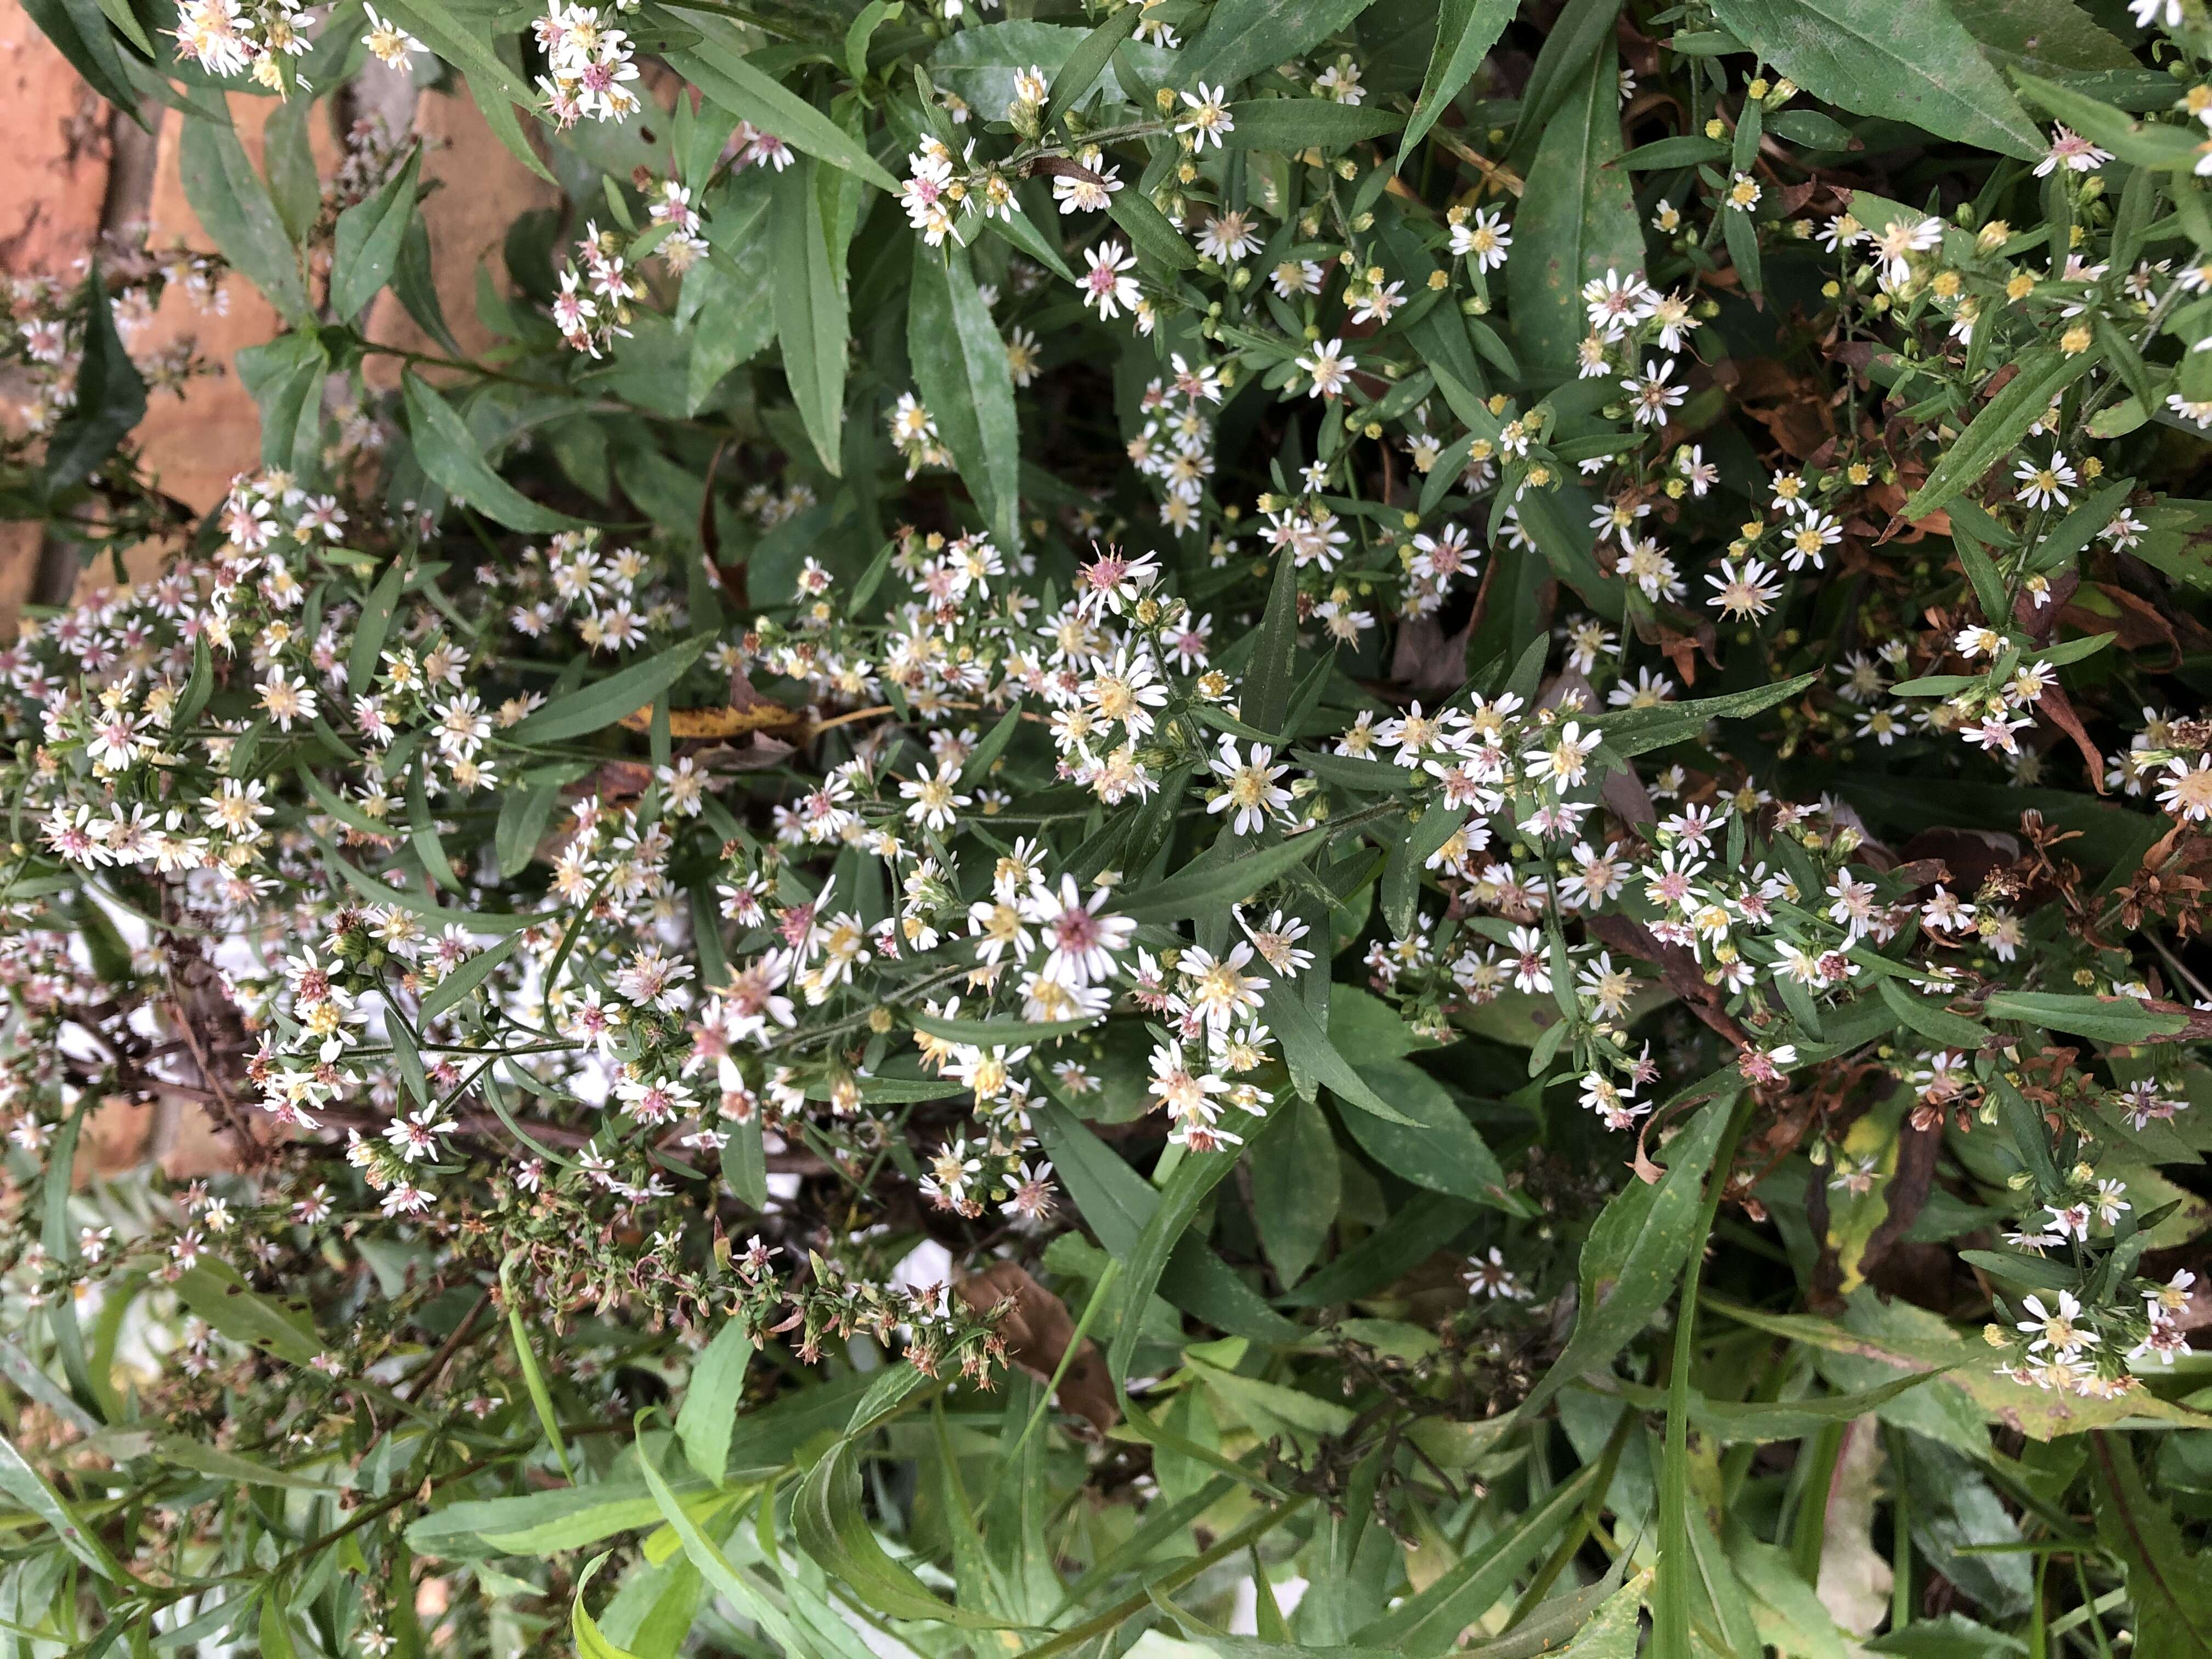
{"x":56,"y":182}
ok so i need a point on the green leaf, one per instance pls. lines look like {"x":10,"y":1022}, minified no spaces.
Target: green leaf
{"x":832,"y":1526}
{"x":1297,"y":1186}
{"x":595,"y":706}
{"x":417,"y":288}
{"x":1995,"y":433}
{"x":286,"y":376}
{"x":376,"y":626}
{"x":1430,"y":1621}
{"x":523,"y":815}
{"x":744,"y":1164}
{"x":1930,"y":1019}
{"x":82,"y":36}
{"x":536,"y":1524}
{"x":467,"y":45}
{"x":996,"y":1033}
{"x":1635,"y":1253}
{"x":1635,"y":732}
{"x":725,"y":80}
{"x":1465,"y":31}
{"x":380,"y":892}
{"x":2139,"y":144}
{"x":1295,"y":124}
{"x":28,"y":1487}
{"x":533,"y":1379}
{"x":368,"y":237}
{"x":1569,"y":44}
{"x":979,"y":64}
{"x":961,"y":369}
{"x":591,"y":1642}
{"x":1312,"y":1058}
{"x":1580,"y":223}
{"x":1737,"y":1421}
{"x":1200,"y":890}
{"x":449,"y":991}
{"x":809,"y":301}
{"x":216,"y":1292}
{"x":2107,"y":1019}
{"x":184,"y":1452}
{"x":1149,"y":232}
{"x":2036,"y":1272}
{"x":2169,"y":1586}
{"x":1919,"y":65}
{"x":1186,"y":1189}
{"x":734,"y":317}
{"x":2045,"y":37}
{"x":1081,"y":70}
{"x":1679,"y":152}
{"x":447,"y":451}
{"x":1272,"y":671}
{"x":233,"y":205}
{"x":111,"y":397}
{"x":711,"y":1403}
{"x":715,"y":1566}
{"x":1242,"y":37}
{"x":1440,"y":1150}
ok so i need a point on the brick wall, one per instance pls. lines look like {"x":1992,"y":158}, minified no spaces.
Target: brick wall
{"x":78,"y":166}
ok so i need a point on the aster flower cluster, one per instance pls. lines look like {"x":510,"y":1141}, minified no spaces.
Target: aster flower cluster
{"x":1188,"y":707}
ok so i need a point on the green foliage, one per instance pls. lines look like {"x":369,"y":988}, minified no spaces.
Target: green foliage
{"x":1209,"y":828}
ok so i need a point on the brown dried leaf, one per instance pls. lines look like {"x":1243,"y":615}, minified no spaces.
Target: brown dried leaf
{"x":1036,"y":1330}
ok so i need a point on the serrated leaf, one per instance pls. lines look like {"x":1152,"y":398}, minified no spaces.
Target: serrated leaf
{"x":1917,"y":65}
{"x":1635,"y":1253}
{"x":1465,"y":31}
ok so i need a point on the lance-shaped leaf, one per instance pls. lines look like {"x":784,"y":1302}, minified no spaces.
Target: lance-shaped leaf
{"x":960,"y":369}
{"x":1914,"y":63}
{"x":449,"y":452}
{"x":810,"y":306}
{"x":1578,"y":225}
{"x":1635,"y":1253}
